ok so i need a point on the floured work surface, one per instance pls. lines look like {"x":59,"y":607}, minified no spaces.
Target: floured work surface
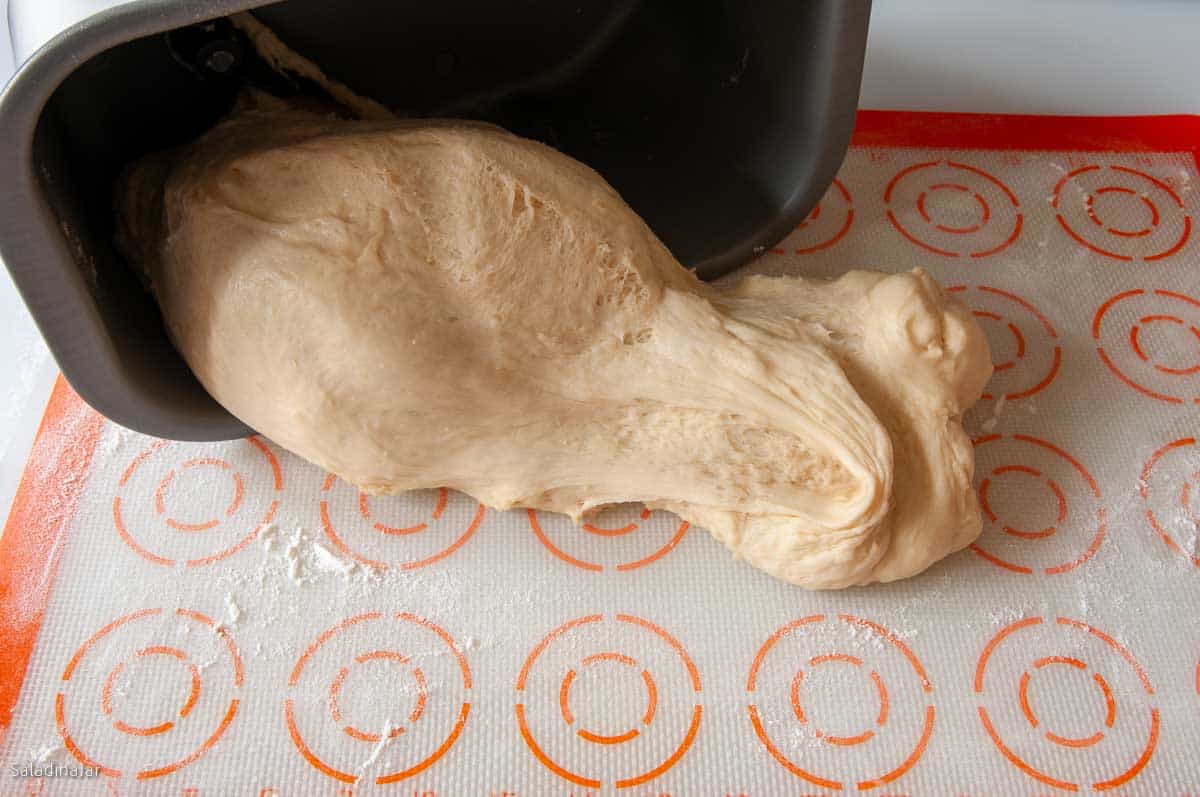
{"x":228,"y":619}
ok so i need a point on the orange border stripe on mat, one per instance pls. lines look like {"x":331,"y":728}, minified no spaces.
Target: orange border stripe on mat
{"x":35,"y":535}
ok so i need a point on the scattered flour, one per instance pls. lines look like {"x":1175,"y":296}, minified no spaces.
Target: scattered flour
{"x":292,"y":554}
{"x":327,"y":561}
{"x":1008,"y":616}
{"x":308,"y":560}
{"x":115,"y":439}
{"x":269,"y":537}
{"x":233,"y":612}
{"x":47,"y":752}
{"x":385,"y":739}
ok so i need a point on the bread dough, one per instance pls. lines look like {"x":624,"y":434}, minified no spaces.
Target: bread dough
{"x":422,"y":304}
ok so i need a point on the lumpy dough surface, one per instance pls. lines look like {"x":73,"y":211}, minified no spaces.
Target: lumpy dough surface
{"x":431,"y":304}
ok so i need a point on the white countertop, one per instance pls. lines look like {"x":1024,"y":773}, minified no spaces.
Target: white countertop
{"x":1017,"y":56}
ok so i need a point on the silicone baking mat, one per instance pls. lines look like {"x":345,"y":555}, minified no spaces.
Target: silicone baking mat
{"x":227,"y":619}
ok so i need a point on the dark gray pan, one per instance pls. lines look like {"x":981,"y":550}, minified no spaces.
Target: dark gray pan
{"x":722,"y":122}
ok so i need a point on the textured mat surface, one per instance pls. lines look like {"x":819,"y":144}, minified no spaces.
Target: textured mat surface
{"x":226,"y":618}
